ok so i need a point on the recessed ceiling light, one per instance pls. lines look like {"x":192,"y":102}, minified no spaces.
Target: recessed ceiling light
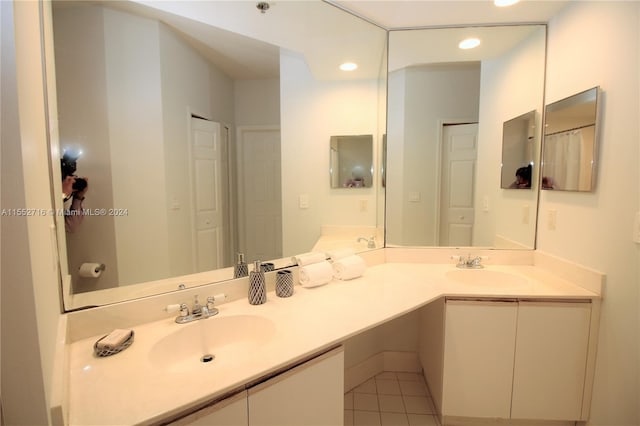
{"x":504,"y":3}
{"x":469,"y":43}
{"x":348,"y":66}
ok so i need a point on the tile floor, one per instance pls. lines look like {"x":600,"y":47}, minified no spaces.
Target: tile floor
{"x":390,"y":399}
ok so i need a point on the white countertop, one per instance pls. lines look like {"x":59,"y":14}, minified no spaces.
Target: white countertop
{"x":126,"y":389}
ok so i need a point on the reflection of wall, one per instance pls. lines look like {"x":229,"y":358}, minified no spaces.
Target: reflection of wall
{"x":311,"y":112}
{"x":511,"y":86}
{"x":425,"y":98}
{"x":152,"y":77}
{"x":598,"y":43}
{"x":83,"y":121}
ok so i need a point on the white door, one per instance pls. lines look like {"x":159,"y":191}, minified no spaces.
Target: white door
{"x":206,"y":195}
{"x":260,"y":195}
{"x":459,"y":152}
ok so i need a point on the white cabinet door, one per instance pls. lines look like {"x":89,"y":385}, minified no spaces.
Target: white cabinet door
{"x":478,"y":358}
{"x":228,"y":412}
{"x":550,"y":362}
{"x":309,"y":394}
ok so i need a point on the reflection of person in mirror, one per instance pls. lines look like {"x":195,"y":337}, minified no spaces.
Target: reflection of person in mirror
{"x":547,"y":182}
{"x":73,"y":192}
{"x":523,"y":178}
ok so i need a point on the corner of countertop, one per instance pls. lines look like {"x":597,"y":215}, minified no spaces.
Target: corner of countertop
{"x":583,"y":276}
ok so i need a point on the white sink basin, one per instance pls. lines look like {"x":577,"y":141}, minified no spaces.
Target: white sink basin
{"x":485,"y":277}
{"x":227,"y":338}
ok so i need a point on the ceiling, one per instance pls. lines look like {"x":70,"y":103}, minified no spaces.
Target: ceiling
{"x":246,"y":44}
{"x":396,"y":14}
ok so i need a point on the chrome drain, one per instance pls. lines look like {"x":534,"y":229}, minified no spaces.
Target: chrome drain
{"x":207,"y":358}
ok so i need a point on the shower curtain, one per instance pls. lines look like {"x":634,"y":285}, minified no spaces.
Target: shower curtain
{"x":568,"y":159}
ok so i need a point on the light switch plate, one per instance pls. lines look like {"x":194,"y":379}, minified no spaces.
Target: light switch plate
{"x":303,"y":201}
{"x":551,"y":219}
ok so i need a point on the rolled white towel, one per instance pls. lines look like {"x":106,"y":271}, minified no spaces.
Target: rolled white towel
{"x":340,"y":253}
{"x":349,"y":267}
{"x":308,"y":258}
{"x":315,"y":274}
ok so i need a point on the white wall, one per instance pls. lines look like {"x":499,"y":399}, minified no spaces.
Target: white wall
{"x":135,"y":109}
{"x":597,"y":43}
{"x":511,"y":85}
{"x":83,"y":124}
{"x":312,"y":111}
{"x":416,"y":125}
{"x":257,"y":102}
{"x":30,"y":288}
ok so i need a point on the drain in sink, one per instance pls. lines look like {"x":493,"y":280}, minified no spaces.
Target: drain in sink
{"x":207,"y":358}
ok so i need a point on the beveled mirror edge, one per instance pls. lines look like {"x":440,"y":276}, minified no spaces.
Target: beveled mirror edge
{"x":597,"y":91}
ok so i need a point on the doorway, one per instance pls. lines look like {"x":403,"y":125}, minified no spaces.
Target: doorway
{"x":260,"y":192}
{"x":458,"y":167}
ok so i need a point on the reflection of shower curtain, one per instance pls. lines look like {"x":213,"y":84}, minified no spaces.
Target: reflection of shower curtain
{"x":568,"y":160}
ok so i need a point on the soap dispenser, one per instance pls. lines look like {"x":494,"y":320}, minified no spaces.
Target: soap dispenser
{"x":257,"y":285}
{"x":240,"y":269}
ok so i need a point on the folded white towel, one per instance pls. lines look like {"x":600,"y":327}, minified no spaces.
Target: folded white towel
{"x":340,"y":253}
{"x":316,"y":274}
{"x":308,"y":258}
{"x":349,"y":267}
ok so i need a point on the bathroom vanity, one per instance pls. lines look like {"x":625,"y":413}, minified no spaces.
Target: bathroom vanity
{"x":510,"y":337}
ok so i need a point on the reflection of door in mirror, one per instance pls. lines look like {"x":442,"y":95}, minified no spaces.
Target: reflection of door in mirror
{"x":260,"y":197}
{"x":458,"y":167}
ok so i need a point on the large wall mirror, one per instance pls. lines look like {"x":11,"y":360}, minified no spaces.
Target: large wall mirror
{"x":570,"y":143}
{"x":446,"y":109}
{"x":200,"y":127}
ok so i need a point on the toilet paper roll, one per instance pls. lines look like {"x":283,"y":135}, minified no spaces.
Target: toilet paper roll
{"x":91,"y":270}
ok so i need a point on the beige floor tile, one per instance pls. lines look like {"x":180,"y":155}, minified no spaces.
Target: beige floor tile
{"x":388,"y":387}
{"x":422,"y":420}
{"x":348,"y":417}
{"x":418,"y":405}
{"x":415,"y":377}
{"x":348,"y":401}
{"x":367,"y":387}
{"x":413,"y":388}
{"x":387,"y":375}
{"x":365,"y":402}
{"x":366,"y":418}
{"x":391,"y":403}
{"x":394,"y":419}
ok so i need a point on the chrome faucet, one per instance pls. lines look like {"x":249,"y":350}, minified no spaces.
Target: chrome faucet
{"x":469,"y":262}
{"x":197,"y":312}
{"x":371,"y":241}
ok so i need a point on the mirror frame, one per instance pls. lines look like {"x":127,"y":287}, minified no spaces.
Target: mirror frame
{"x":563,"y":105}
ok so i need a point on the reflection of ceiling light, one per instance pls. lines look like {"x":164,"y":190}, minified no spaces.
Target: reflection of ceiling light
{"x":503,"y":3}
{"x":469,"y":43}
{"x":348,"y":66}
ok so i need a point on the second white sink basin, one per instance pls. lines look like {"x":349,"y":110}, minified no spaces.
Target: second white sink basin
{"x":226,"y":338}
{"x":486,"y":277}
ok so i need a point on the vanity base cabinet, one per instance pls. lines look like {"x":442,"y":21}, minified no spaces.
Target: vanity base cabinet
{"x":478,"y":358}
{"x":551,"y":358}
{"x":231,"y":411}
{"x":309,"y":394}
{"x":510,"y":359}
